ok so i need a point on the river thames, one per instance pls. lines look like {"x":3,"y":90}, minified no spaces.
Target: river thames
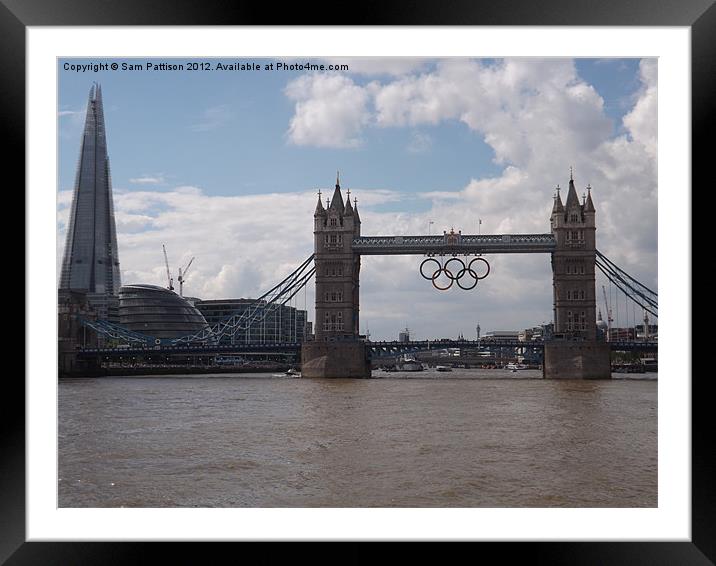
{"x":470,"y":438}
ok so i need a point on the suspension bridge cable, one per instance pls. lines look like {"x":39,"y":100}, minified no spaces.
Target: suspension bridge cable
{"x":644,"y":306}
{"x":601,"y":256}
{"x":257,"y":311}
{"x":629,"y":295}
{"x":606,"y":269}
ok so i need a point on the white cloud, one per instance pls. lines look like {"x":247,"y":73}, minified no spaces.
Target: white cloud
{"x":641,"y":121}
{"x":157,"y":179}
{"x":330,"y":111}
{"x":526,"y":110}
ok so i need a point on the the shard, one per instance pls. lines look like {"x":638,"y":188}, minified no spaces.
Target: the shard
{"x":91,"y":260}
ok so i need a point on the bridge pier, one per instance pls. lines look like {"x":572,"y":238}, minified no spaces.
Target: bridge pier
{"x":349,"y":358}
{"x":576,"y":360}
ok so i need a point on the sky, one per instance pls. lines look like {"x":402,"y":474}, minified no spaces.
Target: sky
{"x":225,"y":166}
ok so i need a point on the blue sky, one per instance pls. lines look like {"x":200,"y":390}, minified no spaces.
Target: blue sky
{"x":416,"y":141}
{"x":226,"y":131}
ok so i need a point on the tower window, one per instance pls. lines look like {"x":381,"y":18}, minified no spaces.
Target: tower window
{"x":333,"y":221}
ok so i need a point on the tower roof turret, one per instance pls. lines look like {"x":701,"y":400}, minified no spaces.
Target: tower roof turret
{"x":348,"y":210}
{"x":558,"y":207}
{"x":355,"y":210}
{"x":589,"y":205}
{"x":320,"y":211}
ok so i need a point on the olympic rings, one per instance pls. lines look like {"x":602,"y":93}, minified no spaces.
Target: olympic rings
{"x":457,"y":276}
{"x":424,"y":262}
{"x":449,"y":275}
{"x":486,"y":265}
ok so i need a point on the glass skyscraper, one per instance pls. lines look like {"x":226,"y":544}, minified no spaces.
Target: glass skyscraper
{"x":91,"y":260}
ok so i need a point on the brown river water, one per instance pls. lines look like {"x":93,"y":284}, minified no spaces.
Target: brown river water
{"x":469,"y":438}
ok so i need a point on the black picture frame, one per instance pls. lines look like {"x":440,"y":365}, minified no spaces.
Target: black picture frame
{"x":699,"y":15}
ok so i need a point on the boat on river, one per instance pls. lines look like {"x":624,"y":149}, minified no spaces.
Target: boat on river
{"x":407,"y":362}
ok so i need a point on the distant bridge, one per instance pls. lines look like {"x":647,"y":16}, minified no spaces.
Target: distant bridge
{"x":396,"y":347}
{"x":380,"y":348}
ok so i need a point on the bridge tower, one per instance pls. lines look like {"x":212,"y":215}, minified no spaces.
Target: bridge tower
{"x":573,"y":265}
{"x":575,"y":351}
{"x":337,"y":350}
{"x":337,"y":268}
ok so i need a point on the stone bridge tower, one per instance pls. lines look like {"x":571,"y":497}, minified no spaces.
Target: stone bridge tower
{"x":337,"y":350}
{"x":575,"y":353}
{"x":573,"y":266}
{"x":337,"y":268}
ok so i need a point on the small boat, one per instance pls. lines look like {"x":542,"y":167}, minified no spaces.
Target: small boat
{"x":406,"y":362}
{"x":293,"y":372}
{"x":514,"y":367}
{"x":443,"y":368}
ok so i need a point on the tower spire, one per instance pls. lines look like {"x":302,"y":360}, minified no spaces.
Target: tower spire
{"x":572,"y":198}
{"x":320,"y":211}
{"x":348,"y":211}
{"x":337,"y":199}
{"x":589,"y":205}
{"x":558,"y":207}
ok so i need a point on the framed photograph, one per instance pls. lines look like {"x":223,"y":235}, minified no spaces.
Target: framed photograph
{"x":476,"y":140}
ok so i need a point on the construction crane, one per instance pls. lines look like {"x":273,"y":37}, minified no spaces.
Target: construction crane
{"x":182,"y":277}
{"x":169,"y":276}
{"x":609,"y":314}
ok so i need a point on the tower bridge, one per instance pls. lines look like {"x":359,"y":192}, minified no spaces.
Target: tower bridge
{"x":338,"y":350}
